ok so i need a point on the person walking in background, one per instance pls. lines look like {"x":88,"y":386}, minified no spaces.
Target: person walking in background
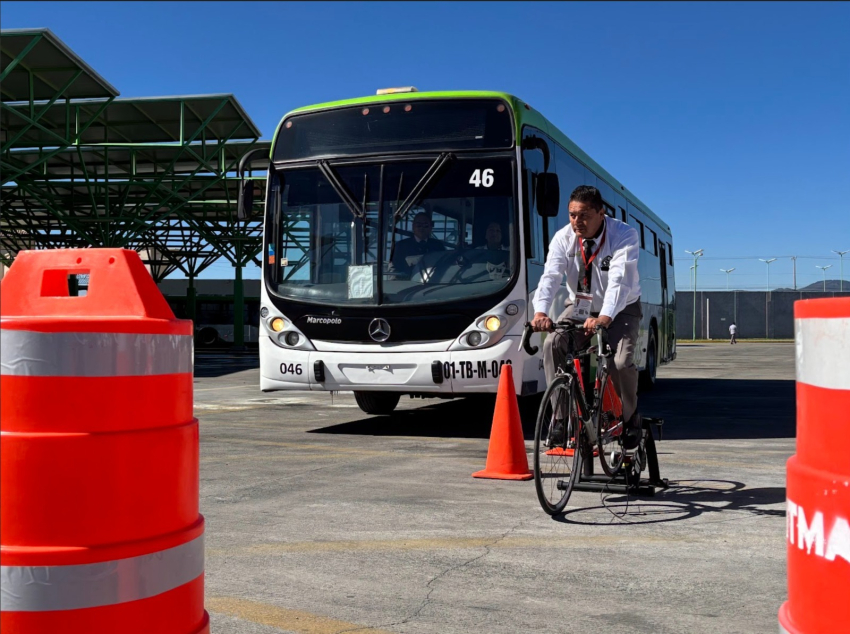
{"x":733,"y":331}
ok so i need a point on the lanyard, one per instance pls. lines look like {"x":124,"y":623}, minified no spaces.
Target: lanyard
{"x":592,"y":257}
{"x":588,"y":262}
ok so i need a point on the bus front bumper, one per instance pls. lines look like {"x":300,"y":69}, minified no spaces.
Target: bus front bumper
{"x":455,"y":373}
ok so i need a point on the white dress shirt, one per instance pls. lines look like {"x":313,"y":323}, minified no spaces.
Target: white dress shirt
{"x":612,"y":289}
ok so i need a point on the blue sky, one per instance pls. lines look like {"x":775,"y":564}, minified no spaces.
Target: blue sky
{"x":730,"y":120}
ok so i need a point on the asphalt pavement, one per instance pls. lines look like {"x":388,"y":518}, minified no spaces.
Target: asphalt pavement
{"x":323,"y":520}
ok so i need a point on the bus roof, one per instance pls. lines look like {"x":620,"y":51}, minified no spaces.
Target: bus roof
{"x":523,"y":114}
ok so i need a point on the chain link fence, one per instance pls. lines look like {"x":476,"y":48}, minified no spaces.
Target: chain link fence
{"x":758,"y":314}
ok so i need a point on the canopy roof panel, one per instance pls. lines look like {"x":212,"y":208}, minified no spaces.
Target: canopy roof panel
{"x":129,"y":120}
{"x":139,"y":160}
{"x":52,"y":65}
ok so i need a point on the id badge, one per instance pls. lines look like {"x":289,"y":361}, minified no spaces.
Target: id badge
{"x":581,"y":307}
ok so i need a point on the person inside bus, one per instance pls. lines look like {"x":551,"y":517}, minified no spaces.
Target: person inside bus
{"x":496,"y":255}
{"x":599,"y":256}
{"x":409,"y":251}
{"x":494,"y":238}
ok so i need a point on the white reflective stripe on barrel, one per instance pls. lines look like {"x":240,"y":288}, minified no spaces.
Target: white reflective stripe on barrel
{"x":823,"y":352}
{"x":50,"y":588}
{"x":93,"y":354}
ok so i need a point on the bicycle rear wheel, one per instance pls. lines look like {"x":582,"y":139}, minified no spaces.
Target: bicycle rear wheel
{"x":557,"y":445}
{"x":610,"y":428}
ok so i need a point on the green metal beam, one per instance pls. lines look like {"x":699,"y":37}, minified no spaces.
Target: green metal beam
{"x":11,"y":142}
{"x":19,"y":57}
{"x":16,"y":173}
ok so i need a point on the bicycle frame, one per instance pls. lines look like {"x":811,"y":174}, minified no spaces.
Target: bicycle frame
{"x":600,"y":413}
{"x":572,"y":367}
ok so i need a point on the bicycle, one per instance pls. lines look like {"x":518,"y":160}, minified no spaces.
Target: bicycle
{"x":574,"y":424}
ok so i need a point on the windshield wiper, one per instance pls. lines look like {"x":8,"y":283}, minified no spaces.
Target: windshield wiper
{"x":342,"y":191}
{"x":419,"y":190}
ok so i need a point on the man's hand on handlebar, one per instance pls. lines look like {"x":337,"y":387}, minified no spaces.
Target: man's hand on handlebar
{"x":592,"y":323}
{"x":541,"y":323}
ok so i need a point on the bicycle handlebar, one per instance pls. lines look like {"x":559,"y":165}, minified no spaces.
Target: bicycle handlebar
{"x":523,"y":344}
{"x":564,"y":326}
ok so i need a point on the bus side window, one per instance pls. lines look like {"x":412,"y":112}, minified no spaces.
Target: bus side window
{"x":639,"y":226}
{"x":653,"y":243}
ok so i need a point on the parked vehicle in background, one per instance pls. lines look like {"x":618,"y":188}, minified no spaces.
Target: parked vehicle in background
{"x":214,"y":306}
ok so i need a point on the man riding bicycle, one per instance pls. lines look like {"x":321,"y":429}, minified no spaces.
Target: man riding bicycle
{"x":599,"y":256}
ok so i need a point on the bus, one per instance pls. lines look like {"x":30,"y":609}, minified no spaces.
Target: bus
{"x":344,"y":304}
{"x":215,"y":310}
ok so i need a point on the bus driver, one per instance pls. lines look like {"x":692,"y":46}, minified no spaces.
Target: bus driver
{"x":410,"y":250}
{"x":599,"y":256}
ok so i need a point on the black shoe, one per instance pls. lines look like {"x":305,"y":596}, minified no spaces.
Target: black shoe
{"x":631,"y":439}
{"x":556,"y":434}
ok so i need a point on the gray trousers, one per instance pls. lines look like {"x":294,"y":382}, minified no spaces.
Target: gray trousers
{"x":622,"y":337}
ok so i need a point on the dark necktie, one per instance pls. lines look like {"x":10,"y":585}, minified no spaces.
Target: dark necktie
{"x":586,"y":272}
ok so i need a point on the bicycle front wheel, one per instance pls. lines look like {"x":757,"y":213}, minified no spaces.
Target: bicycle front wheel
{"x":557,"y":445}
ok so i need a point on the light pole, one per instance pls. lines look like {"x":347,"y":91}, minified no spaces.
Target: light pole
{"x":823,"y":268}
{"x":794,"y":261}
{"x":841,"y":269}
{"x":768,"y":271}
{"x":697,"y":254}
{"x":727,"y":271}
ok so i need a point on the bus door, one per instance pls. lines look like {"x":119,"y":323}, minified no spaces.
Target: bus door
{"x":666,"y":329}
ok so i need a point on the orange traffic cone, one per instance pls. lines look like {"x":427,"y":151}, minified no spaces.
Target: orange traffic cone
{"x":506,"y":459}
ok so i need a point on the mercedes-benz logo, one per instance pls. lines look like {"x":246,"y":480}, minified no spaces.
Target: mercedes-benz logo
{"x":379,"y":329}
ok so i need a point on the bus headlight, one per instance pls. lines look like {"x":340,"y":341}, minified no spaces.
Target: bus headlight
{"x":489,"y":328}
{"x":264,"y":312}
{"x":278,"y":324}
{"x":292,"y":338}
{"x":492,"y":323}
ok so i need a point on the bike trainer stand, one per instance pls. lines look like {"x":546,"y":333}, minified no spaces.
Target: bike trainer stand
{"x":587,"y":481}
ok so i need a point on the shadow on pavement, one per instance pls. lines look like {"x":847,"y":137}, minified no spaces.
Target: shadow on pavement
{"x":469,"y":417}
{"x":211,"y":364}
{"x":684,"y":499}
{"x":723,"y":408}
{"x":691,"y":408}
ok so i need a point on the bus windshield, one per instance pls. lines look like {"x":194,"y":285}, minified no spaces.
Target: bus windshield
{"x":395,"y":232}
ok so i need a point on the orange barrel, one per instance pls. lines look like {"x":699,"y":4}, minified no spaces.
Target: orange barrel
{"x":818,"y":492}
{"x":99,"y":513}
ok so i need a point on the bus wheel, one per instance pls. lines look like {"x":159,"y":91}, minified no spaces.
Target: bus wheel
{"x":382,"y":403}
{"x":646,"y":380}
{"x":207,"y":336}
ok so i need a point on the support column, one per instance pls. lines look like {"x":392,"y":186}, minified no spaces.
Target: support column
{"x":73,"y":286}
{"x":191,"y":299}
{"x":238,"y":309}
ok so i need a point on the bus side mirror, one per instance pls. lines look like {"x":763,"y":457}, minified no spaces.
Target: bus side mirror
{"x":548,"y":194}
{"x":245,"y":203}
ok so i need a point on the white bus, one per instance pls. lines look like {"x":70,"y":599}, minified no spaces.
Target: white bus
{"x":350,"y":297}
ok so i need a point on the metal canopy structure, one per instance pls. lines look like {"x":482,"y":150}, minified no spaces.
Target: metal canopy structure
{"x":38,"y":66}
{"x":82,"y":167}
